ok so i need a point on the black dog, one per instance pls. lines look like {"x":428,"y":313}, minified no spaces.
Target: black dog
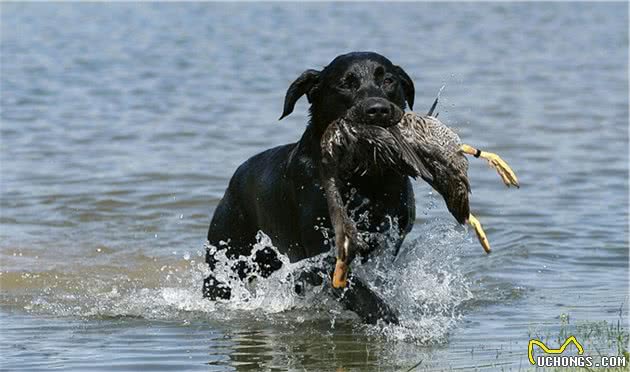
{"x":280,"y":191}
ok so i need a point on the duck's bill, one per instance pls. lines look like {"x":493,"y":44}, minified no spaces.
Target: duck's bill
{"x":340,"y":275}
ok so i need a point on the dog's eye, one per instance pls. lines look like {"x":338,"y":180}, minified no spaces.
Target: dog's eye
{"x":348,"y":82}
{"x":387,"y":81}
{"x":345,"y":85}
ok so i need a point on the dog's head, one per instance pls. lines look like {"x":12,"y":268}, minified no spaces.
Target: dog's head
{"x":365,"y":85}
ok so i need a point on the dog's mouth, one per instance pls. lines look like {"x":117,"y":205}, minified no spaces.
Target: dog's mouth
{"x":375,"y":111}
{"x":357,"y":145}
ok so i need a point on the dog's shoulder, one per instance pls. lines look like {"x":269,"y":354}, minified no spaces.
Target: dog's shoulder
{"x":268,"y":161}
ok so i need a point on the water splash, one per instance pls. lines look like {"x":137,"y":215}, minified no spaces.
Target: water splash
{"x":423,"y":283}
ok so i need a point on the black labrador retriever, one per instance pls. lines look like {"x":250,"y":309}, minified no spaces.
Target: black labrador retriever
{"x":280,"y":191}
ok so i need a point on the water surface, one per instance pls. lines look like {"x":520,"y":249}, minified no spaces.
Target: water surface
{"x":121,"y":125}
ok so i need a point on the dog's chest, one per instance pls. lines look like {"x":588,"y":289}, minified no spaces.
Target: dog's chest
{"x":373,"y":209}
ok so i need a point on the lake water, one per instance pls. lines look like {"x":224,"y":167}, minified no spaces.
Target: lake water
{"x":122,"y":124}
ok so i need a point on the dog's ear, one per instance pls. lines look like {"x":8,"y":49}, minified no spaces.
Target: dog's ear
{"x":302,"y":85}
{"x":407,"y":85}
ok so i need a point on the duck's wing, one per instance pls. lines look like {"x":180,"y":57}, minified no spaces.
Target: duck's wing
{"x":354,"y":149}
{"x":431,"y":149}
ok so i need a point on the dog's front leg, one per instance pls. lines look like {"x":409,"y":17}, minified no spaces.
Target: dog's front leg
{"x":368,"y":305}
{"x":356,"y":297}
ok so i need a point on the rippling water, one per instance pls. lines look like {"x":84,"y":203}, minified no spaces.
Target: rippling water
{"x":122,"y":123}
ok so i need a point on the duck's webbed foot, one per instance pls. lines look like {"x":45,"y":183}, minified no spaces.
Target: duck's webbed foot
{"x":348,"y":241}
{"x":481,"y":235}
{"x":507,"y":174}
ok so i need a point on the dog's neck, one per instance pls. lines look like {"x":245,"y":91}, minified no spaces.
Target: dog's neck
{"x":320,"y":118}
{"x":310,"y":143}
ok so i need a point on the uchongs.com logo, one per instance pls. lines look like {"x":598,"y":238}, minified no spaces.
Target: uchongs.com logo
{"x":554,"y":357}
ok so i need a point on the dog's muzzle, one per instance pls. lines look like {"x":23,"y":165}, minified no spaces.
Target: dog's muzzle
{"x":379,"y":111}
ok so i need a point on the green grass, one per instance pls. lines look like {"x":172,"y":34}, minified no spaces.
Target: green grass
{"x":599,"y":338}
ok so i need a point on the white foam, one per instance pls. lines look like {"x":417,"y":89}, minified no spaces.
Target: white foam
{"x":423,"y":284}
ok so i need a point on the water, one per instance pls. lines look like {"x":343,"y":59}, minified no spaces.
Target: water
{"x":122,"y":123}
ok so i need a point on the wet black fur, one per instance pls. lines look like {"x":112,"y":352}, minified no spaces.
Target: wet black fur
{"x":279,"y":191}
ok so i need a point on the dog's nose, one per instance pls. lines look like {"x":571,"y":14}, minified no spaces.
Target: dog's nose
{"x":378,"y":111}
